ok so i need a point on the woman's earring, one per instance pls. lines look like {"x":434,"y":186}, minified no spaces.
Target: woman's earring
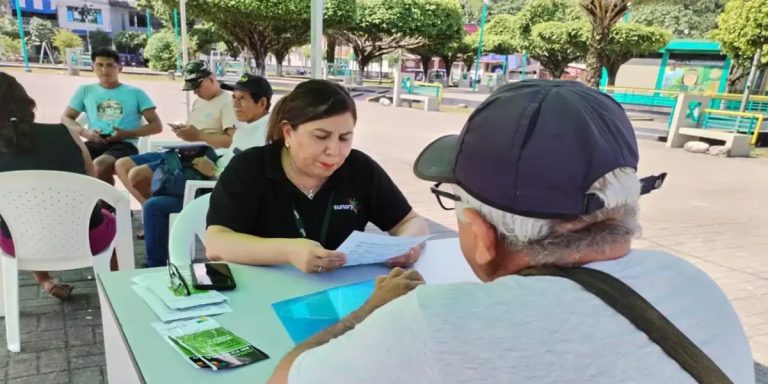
{"x":287,"y":145}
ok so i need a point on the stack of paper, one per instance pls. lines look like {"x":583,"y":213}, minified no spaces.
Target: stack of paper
{"x":205,"y":344}
{"x":156,"y":291}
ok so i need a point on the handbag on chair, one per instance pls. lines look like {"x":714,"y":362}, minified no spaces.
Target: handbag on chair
{"x":176,"y":168}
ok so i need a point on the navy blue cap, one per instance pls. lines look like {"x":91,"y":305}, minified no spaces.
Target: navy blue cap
{"x":535,"y":147}
{"x":253,"y":84}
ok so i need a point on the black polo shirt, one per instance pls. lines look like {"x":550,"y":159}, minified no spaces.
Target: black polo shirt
{"x":255,"y":197}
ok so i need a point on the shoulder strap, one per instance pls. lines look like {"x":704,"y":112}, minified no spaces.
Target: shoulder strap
{"x":628,"y":303}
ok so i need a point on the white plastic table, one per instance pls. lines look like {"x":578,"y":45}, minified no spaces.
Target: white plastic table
{"x":135,"y":353}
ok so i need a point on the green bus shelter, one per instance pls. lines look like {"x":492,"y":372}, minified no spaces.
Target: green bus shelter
{"x":692,"y":48}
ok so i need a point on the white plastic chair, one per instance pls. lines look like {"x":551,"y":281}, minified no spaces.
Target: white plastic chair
{"x":189,"y":223}
{"x":48,"y":214}
{"x":192,"y":186}
{"x":144,"y":144}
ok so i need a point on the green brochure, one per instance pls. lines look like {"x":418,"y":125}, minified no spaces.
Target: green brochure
{"x":205,"y":344}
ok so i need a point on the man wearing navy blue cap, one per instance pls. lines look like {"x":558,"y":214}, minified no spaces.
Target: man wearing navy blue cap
{"x":543,"y":180}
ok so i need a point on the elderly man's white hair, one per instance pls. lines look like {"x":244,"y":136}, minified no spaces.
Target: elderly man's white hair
{"x":545,"y":241}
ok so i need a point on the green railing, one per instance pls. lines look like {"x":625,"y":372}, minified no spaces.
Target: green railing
{"x":661,"y":98}
{"x":759,"y":106}
{"x":642,"y":96}
{"x":738,"y":122}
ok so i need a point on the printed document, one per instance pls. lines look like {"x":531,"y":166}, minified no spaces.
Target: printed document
{"x":369,"y":248}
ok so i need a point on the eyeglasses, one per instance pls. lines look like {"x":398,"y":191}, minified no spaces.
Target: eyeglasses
{"x":446,"y":199}
{"x":178,"y":283}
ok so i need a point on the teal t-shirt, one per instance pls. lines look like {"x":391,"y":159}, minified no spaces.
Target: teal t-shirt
{"x":119,"y":107}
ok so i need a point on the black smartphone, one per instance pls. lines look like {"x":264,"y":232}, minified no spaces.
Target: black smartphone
{"x":105,"y":135}
{"x":214,"y":276}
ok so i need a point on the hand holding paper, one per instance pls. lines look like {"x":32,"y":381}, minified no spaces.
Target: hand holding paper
{"x":368,"y":248}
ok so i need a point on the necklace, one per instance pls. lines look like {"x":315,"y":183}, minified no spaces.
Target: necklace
{"x":310,"y":192}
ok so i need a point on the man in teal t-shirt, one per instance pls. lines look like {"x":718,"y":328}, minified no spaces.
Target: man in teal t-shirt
{"x":114,"y":112}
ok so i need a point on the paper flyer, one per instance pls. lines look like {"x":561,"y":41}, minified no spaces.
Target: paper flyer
{"x":167,"y":314}
{"x":158,"y":284}
{"x":205,"y":344}
{"x":370,"y":248}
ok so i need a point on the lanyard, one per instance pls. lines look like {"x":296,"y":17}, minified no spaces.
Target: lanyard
{"x":323,"y":229}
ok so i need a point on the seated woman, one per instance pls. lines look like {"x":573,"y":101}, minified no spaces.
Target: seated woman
{"x":299,"y":197}
{"x":26,"y":145}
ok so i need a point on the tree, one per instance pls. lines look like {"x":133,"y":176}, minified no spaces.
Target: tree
{"x":471,"y":10}
{"x":161,"y":10}
{"x":628,"y":40}
{"x":602,"y":16}
{"x":384,"y":26}
{"x":8,"y":27}
{"x":100,"y":39}
{"x":231,"y":48}
{"x":331,"y":42}
{"x":65,"y":39}
{"x":161,"y":50}
{"x":205,"y":36}
{"x":40,"y":31}
{"x":426,"y":52}
{"x":10,"y":48}
{"x":469,"y":58}
{"x":126,"y":41}
{"x":255,"y":24}
{"x":342,"y":19}
{"x":686,"y":19}
{"x":742,"y":30}
{"x":501,"y":35}
{"x":456,"y":51}
{"x":440,"y":45}
{"x":506,"y":7}
{"x":288,"y":39}
{"x":555,"y":45}
{"x":508,"y":34}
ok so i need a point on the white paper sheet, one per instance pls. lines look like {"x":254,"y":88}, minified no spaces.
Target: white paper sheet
{"x":166,"y":314}
{"x":158,"y":284}
{"x":441,"y":262}
{"x":369,"y":248}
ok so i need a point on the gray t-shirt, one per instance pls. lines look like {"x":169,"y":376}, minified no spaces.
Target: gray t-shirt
{"x":535,"y":330}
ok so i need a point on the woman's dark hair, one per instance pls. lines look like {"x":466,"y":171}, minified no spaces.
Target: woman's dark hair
{"x":17,"y":114}
{"x":310,"y":101}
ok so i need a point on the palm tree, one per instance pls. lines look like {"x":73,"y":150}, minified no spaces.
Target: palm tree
{"x":603,"y":15}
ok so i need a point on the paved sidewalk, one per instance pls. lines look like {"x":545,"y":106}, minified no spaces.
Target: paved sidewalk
{"x":712,"y":212}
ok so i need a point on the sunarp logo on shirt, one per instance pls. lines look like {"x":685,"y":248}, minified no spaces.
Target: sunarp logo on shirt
{"x":353,"y":206}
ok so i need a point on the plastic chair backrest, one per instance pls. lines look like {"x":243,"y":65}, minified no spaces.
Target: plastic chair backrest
{"x":48,"y":214}
{"x":189,"y":223}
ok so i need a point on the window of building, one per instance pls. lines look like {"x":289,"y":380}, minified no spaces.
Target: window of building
{"x":137,"y":20}
{"x":74,"y":14}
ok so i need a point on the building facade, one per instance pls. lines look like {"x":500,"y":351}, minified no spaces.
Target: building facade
{"x":110,"y":16}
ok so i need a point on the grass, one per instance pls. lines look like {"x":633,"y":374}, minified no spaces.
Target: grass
{"x":760,"y":153}
{"x":454,"y":109}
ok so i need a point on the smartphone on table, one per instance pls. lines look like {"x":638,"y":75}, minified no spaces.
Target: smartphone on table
{"x":212,"y":276}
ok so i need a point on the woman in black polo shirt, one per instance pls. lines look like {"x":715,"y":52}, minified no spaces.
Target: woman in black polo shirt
{"x":299,"y":197}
